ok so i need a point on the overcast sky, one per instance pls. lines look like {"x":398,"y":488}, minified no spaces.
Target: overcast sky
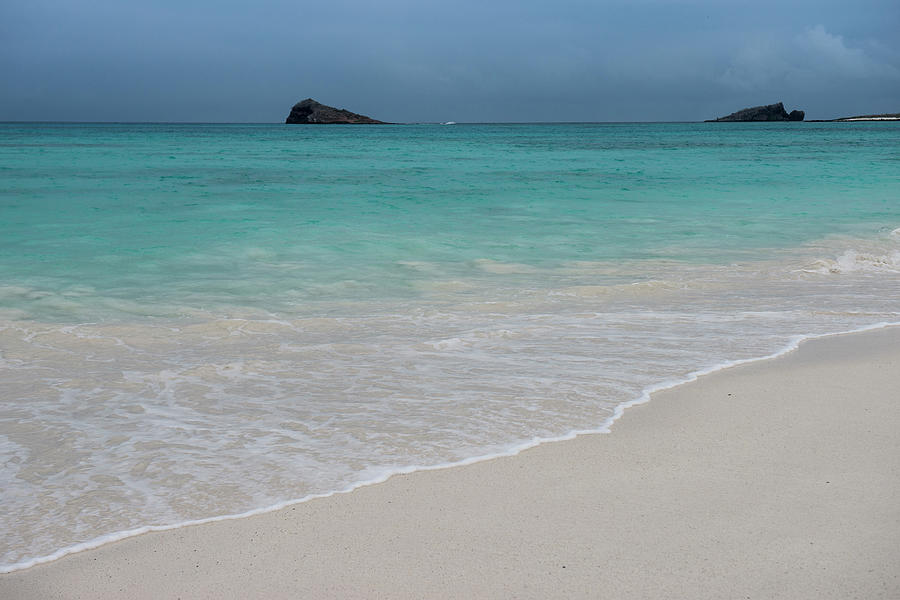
{"x":466,"y":60}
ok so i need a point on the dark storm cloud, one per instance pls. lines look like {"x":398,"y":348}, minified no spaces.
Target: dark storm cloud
{"x":428,"y":61}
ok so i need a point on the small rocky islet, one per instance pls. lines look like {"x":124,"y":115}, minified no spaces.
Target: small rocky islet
{"x":769,"y":112}
{"x":777,"y":112}
{"x":310,"y":112}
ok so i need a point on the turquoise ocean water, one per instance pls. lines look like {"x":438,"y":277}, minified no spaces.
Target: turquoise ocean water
{"x":206,"y":320}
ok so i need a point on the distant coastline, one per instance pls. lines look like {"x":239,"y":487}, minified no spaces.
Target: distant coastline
{"x":882,"y":117}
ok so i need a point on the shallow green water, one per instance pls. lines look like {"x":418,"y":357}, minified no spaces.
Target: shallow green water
{"x":184,"y":217}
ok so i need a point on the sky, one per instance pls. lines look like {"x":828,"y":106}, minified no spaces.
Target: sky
{"x":428,"y":61}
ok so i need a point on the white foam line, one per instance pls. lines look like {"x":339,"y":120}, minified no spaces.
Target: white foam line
{"x":604,"y":427}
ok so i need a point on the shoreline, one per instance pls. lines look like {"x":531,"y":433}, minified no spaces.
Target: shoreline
{"x":329,"y":522}
{"x":603,"y":428}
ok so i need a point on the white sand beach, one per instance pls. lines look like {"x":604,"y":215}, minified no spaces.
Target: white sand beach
{"x":775,"y":479}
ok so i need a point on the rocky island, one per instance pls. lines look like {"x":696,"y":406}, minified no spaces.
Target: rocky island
{"x":770,"y":112}
{"x":311,"y":112}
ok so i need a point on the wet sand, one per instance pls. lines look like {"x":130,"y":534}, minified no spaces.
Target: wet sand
{"x":776,"y":479}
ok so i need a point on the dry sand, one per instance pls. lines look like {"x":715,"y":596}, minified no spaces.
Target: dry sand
{"x":777,"y":479}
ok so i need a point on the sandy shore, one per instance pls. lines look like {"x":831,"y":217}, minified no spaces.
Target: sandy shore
{"x":777,"y":479}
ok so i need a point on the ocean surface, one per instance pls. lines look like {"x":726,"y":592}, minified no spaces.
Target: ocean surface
{"x":206,"y":320}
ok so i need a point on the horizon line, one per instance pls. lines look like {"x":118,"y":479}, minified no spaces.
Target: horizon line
{"x":6,"y":122}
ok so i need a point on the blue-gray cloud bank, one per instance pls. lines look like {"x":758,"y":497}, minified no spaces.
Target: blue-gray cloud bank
{"x":406,"y":61}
